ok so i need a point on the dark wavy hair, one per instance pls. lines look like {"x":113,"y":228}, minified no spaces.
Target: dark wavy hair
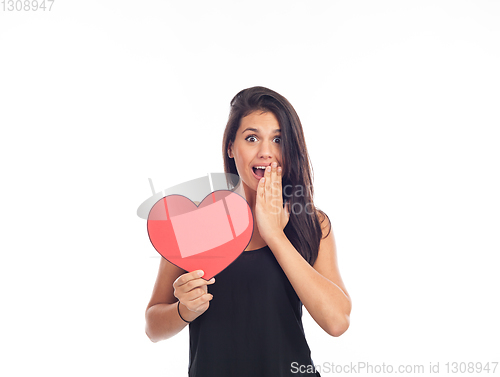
{"x":304,"y":228}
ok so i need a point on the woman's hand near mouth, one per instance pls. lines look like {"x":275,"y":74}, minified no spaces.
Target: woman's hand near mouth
{"x":271,"y":216}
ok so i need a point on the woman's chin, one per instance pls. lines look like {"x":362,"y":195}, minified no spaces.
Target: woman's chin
{"x":251,"y":186}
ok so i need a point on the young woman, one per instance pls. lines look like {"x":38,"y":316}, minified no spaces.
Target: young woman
{"x":249,"y":321}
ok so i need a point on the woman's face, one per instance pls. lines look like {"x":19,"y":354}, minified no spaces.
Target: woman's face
{"x":257,"y":144}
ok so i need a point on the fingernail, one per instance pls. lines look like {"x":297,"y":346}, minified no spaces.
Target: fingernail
{"x":275,"y":164}
{"x":212,"y":280}
{"x":201,"y":273}
{"x":268,"y":168}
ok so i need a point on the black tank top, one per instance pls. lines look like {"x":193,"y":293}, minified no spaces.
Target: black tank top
{"x":253,"y":327}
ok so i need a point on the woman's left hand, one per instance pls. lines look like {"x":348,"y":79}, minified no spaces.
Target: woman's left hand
{"x":271,"y":216}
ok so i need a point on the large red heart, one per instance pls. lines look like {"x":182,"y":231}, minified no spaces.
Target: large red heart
{"x":207,"y":237}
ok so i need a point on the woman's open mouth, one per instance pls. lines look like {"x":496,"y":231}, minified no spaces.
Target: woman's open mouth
{"x":258,"y":172}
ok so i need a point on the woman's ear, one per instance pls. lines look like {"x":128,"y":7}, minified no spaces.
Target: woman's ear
{"x":230,"y":150}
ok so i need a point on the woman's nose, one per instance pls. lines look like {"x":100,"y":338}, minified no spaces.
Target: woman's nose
{"x":265,"y":151}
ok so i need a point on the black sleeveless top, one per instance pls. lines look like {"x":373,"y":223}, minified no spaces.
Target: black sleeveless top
{"x":253,"y":326}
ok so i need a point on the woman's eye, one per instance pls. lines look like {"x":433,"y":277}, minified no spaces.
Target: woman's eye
{"x":251,"y":137}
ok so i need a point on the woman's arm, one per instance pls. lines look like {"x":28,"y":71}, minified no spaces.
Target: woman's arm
{"x":162,"y":318}
{"x":319,"y":287}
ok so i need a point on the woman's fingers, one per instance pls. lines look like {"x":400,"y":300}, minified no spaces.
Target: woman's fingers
{"x":270,"y":187}
{"x":273,"y":191}
{"x":195,"y":299}
{"x":185,"y":278}
{"x":268,"y":184}
{"x":195,"y":283}
{"x":277,"y":200}
{"x":190,"y":287}
{"x":200,"y":304}
{"x":278,"y":175}
{"x":191,"y":280}
{"x":194,"y":294}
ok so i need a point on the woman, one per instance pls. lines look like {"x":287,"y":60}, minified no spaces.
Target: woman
{"x":249,"y":324}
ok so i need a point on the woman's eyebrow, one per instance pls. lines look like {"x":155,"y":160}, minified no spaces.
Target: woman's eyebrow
{"x":257,"y":131}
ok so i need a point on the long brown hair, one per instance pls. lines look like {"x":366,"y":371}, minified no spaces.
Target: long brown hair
{"x":303,"y":228}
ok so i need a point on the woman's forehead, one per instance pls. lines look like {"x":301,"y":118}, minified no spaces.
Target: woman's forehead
{"x":259,"y":121}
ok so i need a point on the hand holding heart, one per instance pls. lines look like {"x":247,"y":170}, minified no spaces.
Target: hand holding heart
{"x":191,"y":290}
{"x":271,"y":216}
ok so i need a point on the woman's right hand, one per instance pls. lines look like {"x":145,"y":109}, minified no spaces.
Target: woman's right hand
{"x":191,"y":290}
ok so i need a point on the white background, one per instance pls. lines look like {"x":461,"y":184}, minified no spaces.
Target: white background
{"x":400,"y":106}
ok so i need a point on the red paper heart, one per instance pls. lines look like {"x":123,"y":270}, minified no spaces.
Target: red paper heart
{"x":208,"y":237}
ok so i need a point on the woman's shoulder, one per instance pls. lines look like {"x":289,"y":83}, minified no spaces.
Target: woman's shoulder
{"x":324,"y":222}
